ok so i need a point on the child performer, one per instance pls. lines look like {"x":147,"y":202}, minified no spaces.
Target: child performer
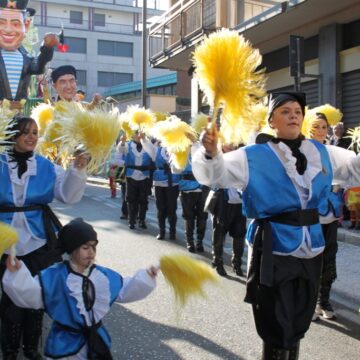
{"x":76,"y":294}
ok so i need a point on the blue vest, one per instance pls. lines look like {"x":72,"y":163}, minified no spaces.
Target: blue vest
{"x":188,"y":185}
{"x":160,"y":174}
{"x":333,"y":203}
{"x":40,"y":190}
{"x":130,"y":160}
{"x":62,"y":308}
{"x":270,"y":192}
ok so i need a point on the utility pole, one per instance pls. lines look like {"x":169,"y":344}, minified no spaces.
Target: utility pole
{"x":144,"y":54}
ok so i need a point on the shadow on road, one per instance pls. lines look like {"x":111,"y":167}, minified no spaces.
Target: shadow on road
{"x":139,"y":338}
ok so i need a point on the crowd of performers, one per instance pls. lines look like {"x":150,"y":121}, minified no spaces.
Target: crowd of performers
{"x":288,"y":184}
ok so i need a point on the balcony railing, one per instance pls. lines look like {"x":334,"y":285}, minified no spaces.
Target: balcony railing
{"x":56,"y":22}
{"x":189,"y":17}
{"x":179,"y":23}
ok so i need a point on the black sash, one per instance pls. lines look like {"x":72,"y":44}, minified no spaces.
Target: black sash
{"x":189,"y":176}
{"x":167,"y":171}
{"x":49,"y":219}
{"x":261,"y":262}
{"x":97,"y":349}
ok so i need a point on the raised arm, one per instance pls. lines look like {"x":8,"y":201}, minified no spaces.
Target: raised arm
{"x":139,"y":286}
{"x":345,"y":164}
{"x":23,"y":289}
{"x":213,"y":168}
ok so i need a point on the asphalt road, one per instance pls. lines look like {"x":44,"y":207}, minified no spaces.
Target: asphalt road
{"x":218,"y":327}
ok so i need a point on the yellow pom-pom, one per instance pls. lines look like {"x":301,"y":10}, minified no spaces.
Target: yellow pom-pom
{"x":43,"y":114}
{"x":226,"y":67}
{"x":180,"y":158}
{"x":186,"y":276}
{"x":161,"y":116}
{"x":140,"y":118}
{"x":199,"y":122}
{"x":176,"y":135}
{"x":8,"y":237}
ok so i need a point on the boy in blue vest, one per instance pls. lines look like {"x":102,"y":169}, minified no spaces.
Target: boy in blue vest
{"x":76,"y":294}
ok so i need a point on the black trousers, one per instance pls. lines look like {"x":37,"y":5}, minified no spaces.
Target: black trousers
{"x":328,"y":273}
{"x":166,"y":201}
{"x":193,"y":204}
{"x":18,"y":323}
{"x":283,"y":312}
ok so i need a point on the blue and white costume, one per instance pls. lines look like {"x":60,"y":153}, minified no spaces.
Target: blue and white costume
{"x":59,"y":290}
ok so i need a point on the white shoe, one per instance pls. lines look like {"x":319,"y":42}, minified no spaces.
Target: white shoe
{"x":326,"y":311}
{"x":315,"y":317}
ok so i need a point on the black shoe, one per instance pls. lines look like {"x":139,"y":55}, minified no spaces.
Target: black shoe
{"x":200,"y":248}
{"x":123,"y":217}
{"x":33,"y":355}
{"x":142,"y":224}
{"x":237,"y":270}
{"x":191,"y":248}
{"x":131,"y":226}
{"x":220,"y":270}
{"x":172,"y":236}
{"x":160,"y":236}
{"x":352,"y":226}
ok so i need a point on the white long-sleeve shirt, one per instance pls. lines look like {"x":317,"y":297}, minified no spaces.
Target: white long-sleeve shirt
{"x":231,"y":170}
{"x":25,"y":291}
{"x":69,"y":188}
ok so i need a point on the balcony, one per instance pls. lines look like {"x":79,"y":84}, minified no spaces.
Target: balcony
{"x":55,"y":22}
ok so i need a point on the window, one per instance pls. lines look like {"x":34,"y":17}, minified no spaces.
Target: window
{"x":76,"y":17}
{"x":115,"y":48}
{"x":107,"y":79}
{"x":99,"y":19}
{"x":81,"y":77}
{"x":76,"y":45}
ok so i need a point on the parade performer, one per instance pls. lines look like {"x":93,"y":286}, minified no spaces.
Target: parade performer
{"x":166,"y":188}
{"x":76,"y":294}
{"x":29,"y":183}
{"x":16,"y":64}
{"x":320,"y":119}
{"x":193,"y":196}
{"x":64,"y":82}
{"x":283,"y":182}
{"x":227,"y":217}
{"x":137,"y":164}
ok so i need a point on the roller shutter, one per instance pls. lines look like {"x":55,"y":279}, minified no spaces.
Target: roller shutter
{"x":351,"y":98}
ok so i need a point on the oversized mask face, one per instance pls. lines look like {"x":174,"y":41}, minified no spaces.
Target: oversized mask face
{"x":13,"y":28}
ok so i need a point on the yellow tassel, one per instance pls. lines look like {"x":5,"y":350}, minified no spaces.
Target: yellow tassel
{"x":6,"y":120}
{"x":225,"y":65}
{"x":161,"y":116}
{"x":354,"y":134}
{"x":176,"y":135}
{"x":125,"y":127}
{"x":140,"y":118}
{"x":8,"y":237}
{"x":199,"y":122}
{"x":180,"y":158}
{"x":186,"y":276}
{"x":97,"y":130}
{"x":43,"y":114}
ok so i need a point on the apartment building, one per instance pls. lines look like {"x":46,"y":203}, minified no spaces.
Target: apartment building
{"x":329,"y":28}
{"x":104,"y":38}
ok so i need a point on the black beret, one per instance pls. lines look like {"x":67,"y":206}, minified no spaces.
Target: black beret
{"x":76,"y":233}
{"x":62,"y":70}
{"x":277,"y":99}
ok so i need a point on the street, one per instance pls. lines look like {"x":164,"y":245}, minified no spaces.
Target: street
{"x":218,"y":327}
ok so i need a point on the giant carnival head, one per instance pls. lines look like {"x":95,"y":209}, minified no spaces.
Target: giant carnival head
{"x":15,"y":19}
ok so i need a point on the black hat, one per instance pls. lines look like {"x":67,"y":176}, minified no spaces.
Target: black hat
{"x":62,"y":70}
{"x":17,"y":5}
{"x":277,"y":99}
{"x":76,"y":233}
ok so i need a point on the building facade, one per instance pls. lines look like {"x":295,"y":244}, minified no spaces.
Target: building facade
{"x":330,"y":30}
{"x":104,"y":39}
